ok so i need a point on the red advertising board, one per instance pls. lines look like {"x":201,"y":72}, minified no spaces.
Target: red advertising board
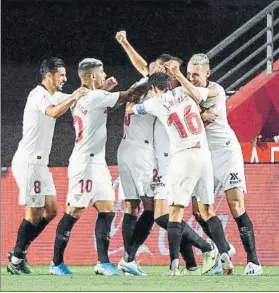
{"x":266,"y":153}
{"x":262,"y":204}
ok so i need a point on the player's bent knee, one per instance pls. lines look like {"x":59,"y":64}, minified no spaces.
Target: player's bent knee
{"x":176,"y":213}
{"x":197,"y":215}
{"x":33,"y":215}
{"x":74,"y":212}
{"x":161,"y":208}
{"x":148,"y":203}
{"x":132,"y":206}
{"x":104,"y":206}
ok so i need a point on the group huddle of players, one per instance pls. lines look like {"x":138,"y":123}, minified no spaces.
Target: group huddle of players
{"x":176,"y":141}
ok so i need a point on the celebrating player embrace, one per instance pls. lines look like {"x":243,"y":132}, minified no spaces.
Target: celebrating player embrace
{"x":29,"y":166}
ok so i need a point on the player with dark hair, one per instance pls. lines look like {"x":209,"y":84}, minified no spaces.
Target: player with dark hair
{"x":29,"y":165}
{"x":135,"y":174}
{"x":90,"y":182}
{"x":178,"y":111}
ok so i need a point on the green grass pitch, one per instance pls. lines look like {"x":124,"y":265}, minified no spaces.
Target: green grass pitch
{"x":85,"y":280}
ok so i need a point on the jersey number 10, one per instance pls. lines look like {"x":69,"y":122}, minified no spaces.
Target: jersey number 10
{"x":192,"y":121}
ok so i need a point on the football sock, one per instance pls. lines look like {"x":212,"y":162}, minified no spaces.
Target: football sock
{"x":217,"y":232}
{"x":25,"y":232}
{"x":128,"y":226}
{"x":186,"y":250}
{"x":102,"y":233}
{"x":63,"y":233}
{"x":141,"y":231}
{"x":192,"y":237}
{"x":174,"y":238}
{"x":39,"y":228}
{"x":247,"y":236}
{"x":205,"y":228}
{"x":188,"y":234}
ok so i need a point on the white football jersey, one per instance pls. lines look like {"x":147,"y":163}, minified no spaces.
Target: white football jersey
{"x":138,"y":129}
{"x":181,"y":118}
{"x":161,"y":139}
{"x":90,"y":119}
{"x":38,"y":128}
{"x":219,"y":132}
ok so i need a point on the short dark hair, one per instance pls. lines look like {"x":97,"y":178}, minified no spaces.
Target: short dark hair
{"x":160,"y":80}
{"x":168,"y":57}
{"x":51,"y":65}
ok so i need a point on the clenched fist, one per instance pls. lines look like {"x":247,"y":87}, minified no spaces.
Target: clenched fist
{"x":121,"y":37}
{"x":110,"y":83}
{"x":173,"y":67}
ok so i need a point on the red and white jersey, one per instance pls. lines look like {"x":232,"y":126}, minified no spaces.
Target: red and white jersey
{"x":38,"y":128}
{"x":181,"y":118}
{"x":90,"y":119}
{"x":219,"y":132}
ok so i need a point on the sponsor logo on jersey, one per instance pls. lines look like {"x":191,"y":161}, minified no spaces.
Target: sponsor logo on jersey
{"x":234,"y":179}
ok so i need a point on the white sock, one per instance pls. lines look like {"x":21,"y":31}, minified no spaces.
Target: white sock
{"x":16,"y":260}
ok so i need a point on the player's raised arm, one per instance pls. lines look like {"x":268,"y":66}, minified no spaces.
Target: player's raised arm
{"x":198,"y":94}
{"x":60,"y":109}
{"x":139,"y":63}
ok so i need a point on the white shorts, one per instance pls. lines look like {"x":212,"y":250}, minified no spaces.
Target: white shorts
{"x":190,"y":170}
{"x":228,"y":167}
{"x":88,"y":183}
{"x":159,"y":184}
{"x":34,"y":183}
{"x":137,"y":168}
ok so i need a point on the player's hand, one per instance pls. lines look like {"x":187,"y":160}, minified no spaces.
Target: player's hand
{"x":129,"y":108}
{"x":110,"y":84}
{"x":173,"y":67}
{"x":257,"y":141}
{"x":137,"y":91}
{"x":121,"y":37}
{"x":80,"y":92}
{"x":209,"y":116}
{"x":155,"y":67}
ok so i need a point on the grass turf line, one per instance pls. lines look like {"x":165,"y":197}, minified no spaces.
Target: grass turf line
{"x":84,"y":279}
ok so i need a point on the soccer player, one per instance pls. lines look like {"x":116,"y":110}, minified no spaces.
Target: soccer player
{"x":179,"y":114}
{"x":227,"y":160}
{"x":90,"y":181}
{"x":29,"y":165}
{"x":134,"y":174}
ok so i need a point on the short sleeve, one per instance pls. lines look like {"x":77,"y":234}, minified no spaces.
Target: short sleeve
{"x":43,"y":102}
{"x":102,"y":99}
{"x":203,"y":93}
{"x":59,"y":98}
{"x":147,"y":107}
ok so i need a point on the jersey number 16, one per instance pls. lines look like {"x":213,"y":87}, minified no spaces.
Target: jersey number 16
{"x":192,"y":122}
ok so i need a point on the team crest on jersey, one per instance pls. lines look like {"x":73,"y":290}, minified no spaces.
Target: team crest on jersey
{"x":33,"y":198}
{"x":77,"y":196}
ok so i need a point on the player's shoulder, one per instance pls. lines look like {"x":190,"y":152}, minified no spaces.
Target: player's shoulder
{"x":215,"y":85}
{"x":37,"y":93}
{"x":39,"y":90}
